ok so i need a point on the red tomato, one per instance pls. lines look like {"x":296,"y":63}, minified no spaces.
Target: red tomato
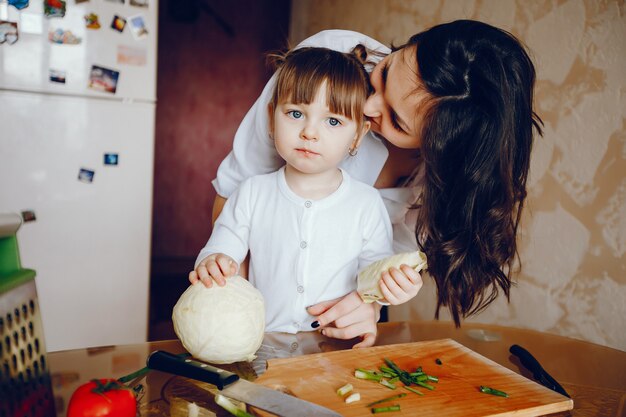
{"x":102,"y":398}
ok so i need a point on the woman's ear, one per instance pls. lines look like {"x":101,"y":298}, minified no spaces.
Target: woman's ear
{"x":270,"y":120}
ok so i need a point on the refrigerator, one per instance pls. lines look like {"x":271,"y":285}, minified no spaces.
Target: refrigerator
{"x":77,"y":109}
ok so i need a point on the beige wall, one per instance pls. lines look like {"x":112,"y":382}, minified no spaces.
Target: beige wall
{"x":573,"y":279}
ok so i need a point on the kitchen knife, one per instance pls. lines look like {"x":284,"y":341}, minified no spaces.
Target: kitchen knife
{"x":232,"y":386}
{"x":539,"y":373}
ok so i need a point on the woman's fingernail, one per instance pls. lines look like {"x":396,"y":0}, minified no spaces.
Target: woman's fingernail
{"x":315,"y":324}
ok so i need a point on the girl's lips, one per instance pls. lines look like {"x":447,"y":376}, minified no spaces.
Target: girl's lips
{"x":306,"y":152}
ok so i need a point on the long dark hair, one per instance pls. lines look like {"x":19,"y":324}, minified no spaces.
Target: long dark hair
{"x":477,"y":137}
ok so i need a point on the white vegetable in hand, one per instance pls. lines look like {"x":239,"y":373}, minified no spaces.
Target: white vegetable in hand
{"x":368,"y":287}
{"x":221,"y":324}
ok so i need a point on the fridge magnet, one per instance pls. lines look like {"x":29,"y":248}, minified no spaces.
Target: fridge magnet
{"x":8,"y":32}
{"x":28,"y":216}
{"x":65,"y":37}
{"x":86,"y":175}
{"x":103,"y":79}
{"x":131,"y":56}
{"x":54,"y":8}
{"x":19,"y":4}
{"x":139,"y":3}
{"x":118,"y":23}
{"x":91,"y":21}
{"x":111,"y":159}
{"x":57,"y":76}
{"x":138,"y":27}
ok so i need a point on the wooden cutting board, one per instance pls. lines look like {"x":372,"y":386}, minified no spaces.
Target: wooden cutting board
{"x":316,"y":378}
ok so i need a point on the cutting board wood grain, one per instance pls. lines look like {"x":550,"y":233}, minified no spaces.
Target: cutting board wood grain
{"x":317,"y":377}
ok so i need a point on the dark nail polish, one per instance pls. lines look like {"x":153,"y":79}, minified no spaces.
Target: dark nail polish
{"x":315,"y":324}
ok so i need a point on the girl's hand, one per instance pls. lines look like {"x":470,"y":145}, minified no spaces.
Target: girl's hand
{"x":216,"y":267}
{"x":348,"y":317}
{"x":400,"y":285}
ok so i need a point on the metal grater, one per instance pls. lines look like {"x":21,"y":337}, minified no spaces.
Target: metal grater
{"x":25,"y":386}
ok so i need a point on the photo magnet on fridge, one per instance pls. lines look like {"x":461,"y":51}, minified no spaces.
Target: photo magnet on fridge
{"x":65,"y":37}
{"x":91,"y":21}
{"x":118,"y":23}
{"x":86,"y":175}
{"x":8,"y":32}
{"x":54,"y":8}
{"x":131,"y":56}
{"x":103,"y":79}
{"x":28,"y":216}
{"x":138,"y":27}
{"x":111,"y":159}
{"x":139,"y":3}
{"x":57,"y":76}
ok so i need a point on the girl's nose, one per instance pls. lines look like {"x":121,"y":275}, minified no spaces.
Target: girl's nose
{"x":308,"y":132}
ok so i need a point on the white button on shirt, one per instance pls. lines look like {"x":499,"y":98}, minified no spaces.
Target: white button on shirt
{"x":301,"y":256}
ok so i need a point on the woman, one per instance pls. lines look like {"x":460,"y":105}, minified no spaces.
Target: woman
{"x":453,"y":121}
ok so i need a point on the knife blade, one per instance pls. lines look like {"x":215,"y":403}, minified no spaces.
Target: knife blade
{"x":232,"y":386}
{"x":540,"y":374}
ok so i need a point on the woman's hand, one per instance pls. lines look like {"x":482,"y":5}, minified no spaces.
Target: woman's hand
{"x":348,"y":317}
{"x":215,"y":267}
{"x":400,"y":285}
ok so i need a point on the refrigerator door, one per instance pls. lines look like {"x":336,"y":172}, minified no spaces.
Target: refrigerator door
{"x":31,"y":62}
{"x":90,"y":241}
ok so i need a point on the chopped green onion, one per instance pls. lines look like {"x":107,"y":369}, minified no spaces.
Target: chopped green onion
{"x":229,"y":406}
{"x":387,"y":370}
{"x":438,"y":361}
{"x":394,"y":379}
{"x":393,"y":397}
{"x":414,"y":390}
{"x":354,"y":397}
{"x":395,"y":407}
{"x":404,"y":375}
{"x":344,"y":390}
{"x":433,"y":378}
{"x":425,"y":385}
{"x":363,"y":374}
{"x":492,"y":391}
{"x":387,"y":384}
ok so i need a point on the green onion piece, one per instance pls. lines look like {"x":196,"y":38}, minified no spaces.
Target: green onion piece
{"x":354,"y":397}
{"x":394,"y":379}
{"x":433,"y":378}
{"x":344,"y":390}
{"x":387,"y":384}
{"x":419,"y":378}
{"x":414,"y":390}
{"x":362,"y":374}
{"x":419,"y":369}
{"x":395,"y":407}
{"x":493,"y":391}
{"x":387,"y":370}
{"x":404,"y":375}
{"x":438,"y":361}
{"x":229,"y":406}
{"x":425,"y":385}
{"x":393,"y":397}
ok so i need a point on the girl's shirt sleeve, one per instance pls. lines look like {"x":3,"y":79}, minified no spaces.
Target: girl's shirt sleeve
{"x":232,"y":228}
{"x":253,"y":150}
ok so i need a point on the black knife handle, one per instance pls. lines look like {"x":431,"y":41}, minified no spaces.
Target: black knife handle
{"x":540,"y":374}
{"x":164,"y":361}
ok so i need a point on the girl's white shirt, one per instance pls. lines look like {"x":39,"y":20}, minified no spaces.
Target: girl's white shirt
{"x":254,"y":153}
{"x":302,"y":251}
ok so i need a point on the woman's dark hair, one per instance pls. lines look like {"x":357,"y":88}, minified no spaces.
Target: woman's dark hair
{"x":477,"y":137}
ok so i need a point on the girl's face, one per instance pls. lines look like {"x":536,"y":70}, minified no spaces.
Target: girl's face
{"x":393,"y":107}
{"x":311,"y":138}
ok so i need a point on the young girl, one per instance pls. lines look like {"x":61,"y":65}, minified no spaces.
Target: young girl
{"x":309,"y":226}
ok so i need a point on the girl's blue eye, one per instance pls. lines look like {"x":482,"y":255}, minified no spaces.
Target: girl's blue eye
{"x":295,"y":114}
{"x":334,"y":122}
